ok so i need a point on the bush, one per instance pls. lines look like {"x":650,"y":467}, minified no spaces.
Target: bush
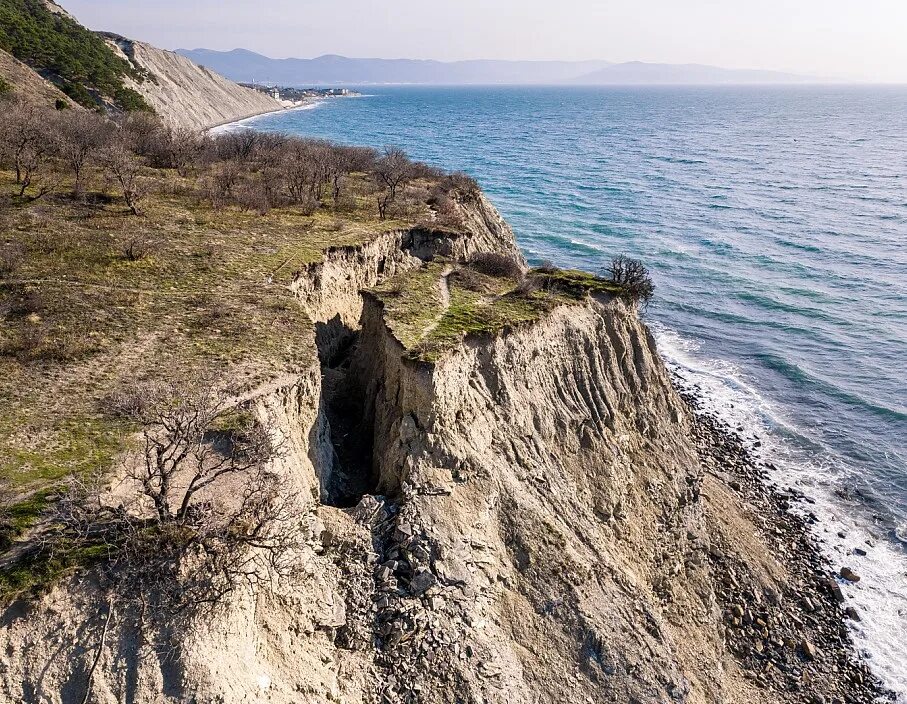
{"x":137,"y":248}
{"x":633,"y":277}
{"x":11,"y":257}
{"x":5,"y":87}
{"x":497,"y":265}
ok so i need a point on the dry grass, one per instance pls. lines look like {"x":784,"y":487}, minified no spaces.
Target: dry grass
{"x":81,"y":317}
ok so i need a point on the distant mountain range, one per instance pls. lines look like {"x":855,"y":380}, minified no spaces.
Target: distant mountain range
{"x":247,"y":66}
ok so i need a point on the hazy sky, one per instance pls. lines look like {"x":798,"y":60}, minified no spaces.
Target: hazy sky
{"x":863,"y":39}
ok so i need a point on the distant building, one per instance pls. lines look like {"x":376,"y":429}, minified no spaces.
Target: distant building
{"x":275,"y":93}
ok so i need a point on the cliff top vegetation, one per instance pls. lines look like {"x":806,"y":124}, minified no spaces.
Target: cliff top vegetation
{"x":443,"y":303}
{"x":128,"y":250}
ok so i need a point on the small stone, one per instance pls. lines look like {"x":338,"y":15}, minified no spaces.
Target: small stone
{"x":852,"y":614}
{"x":809,"y":650}
{"x":808,"y":605}
{"x":859,"y":551}
{"x":849,"y":575}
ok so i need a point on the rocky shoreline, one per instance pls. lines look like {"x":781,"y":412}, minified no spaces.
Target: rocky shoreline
{"x":796,"y":641}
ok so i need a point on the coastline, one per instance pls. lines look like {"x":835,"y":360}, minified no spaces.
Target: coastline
{"x":809,"y":621}
{"x":235,"y":121}
{"x":247,"y":118}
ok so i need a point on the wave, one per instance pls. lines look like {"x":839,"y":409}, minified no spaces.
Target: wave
{"x":802,"y":461}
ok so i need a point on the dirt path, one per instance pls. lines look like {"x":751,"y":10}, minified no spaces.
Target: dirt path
{"x":445,"y":301}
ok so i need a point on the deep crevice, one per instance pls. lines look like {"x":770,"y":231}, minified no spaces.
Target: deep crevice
{"x":351,"y":428}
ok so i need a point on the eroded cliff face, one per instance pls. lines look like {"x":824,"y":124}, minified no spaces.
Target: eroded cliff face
{"x":186,"y":95}
{"x":548,"y":488}
{"x":525,"y":520}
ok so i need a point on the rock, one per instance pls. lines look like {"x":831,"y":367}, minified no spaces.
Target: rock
{"x":849,"y":575}
{"x":422,"y":581}
{"x":835,"y":590}
{"x":808,"y":604}
{"x":852,"y":614}
{"x":809,"y":650}
{"x":859,"y":551}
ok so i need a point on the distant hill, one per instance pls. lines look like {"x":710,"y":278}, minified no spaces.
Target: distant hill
{"x":640,"y":73}
{"x":244,"y":65}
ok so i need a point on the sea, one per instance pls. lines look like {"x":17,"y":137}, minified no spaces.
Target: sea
{"x":774,"y":222}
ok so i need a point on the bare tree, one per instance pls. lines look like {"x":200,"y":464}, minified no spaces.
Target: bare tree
{"x":391,"y":172}
{"x":143,"y":133}
{"x":125,"y":169}
{"x":27,"y":143}
{"x":346,"y":160}
{"x":184,"y":451}
{"x":185,"y":148}
{"x":82,"y":136}
{"x":633,"y":277}
{"x":222,"y":181}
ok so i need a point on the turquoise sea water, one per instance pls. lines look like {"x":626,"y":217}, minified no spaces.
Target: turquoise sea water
{"x":775,"y":223}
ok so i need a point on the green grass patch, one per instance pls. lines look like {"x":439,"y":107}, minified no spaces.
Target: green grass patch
{"x":478,"y":305}
{"x":36,"y":572}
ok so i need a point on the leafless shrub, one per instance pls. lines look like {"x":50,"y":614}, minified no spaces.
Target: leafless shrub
{"x":471,"y":280}
{"x":125,"y":170}
{"x":252,"y":194}
{"x":11,"y":256}
{"x":497,"y":265}
{"x":143,"y":134}
{"x":24,"y":302}
{"x":185,"y":150}
{"x":221,"y":183}
{"x":462,"y":185}
{"x":182,"y":436}
{"x":214,"y":518}
{"x":28,"y":143}
{"x":137,"y":248}
{"x":237,"y":146}
{"x":37,"y":342}
{"x":528,"y":286}
{"x":633,"y":277}
{"x":341,"y":162}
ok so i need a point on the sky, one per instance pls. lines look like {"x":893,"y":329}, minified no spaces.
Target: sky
{"x":845,"y":39}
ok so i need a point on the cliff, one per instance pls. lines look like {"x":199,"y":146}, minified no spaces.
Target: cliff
{"x":186,"y":95}
{"x":498,"y":497}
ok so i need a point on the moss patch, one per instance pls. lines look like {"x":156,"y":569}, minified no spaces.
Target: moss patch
{"x":427,"y":322}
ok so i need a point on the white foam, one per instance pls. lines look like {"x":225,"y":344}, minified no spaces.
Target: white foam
{"x":880,"y":596}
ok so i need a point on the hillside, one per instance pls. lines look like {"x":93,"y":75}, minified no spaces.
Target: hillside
{"x":185,"y":94}
{"x":19,"y":78}
{"x":76,"y":60}
{"x":46,"y":56}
